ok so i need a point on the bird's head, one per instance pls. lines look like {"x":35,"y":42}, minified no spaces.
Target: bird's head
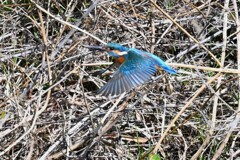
{"x":114,"y":49}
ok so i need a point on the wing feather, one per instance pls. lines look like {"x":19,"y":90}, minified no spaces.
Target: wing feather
{"x":136,"y":70}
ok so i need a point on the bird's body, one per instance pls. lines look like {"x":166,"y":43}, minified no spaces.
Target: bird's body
{"x":137,"y":67}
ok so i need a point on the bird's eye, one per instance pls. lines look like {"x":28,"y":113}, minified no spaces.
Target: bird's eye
{"x":111,"y":48}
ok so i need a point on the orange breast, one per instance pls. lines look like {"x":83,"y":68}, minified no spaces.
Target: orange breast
{"x":120,"y":60}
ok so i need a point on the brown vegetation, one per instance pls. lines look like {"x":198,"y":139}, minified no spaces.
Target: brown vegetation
{"x":48,"y":105}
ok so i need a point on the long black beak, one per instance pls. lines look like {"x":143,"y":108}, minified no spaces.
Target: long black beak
{"x":99,"y":48}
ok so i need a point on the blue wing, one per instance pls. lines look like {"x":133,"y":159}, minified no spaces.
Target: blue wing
{"x":136,"y":70}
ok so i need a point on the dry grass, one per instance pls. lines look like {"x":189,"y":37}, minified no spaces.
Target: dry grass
{"x":49,"y":109}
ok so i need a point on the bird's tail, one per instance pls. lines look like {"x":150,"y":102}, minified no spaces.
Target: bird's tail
{"x":168,"y":69}
{"x":164,"y":66}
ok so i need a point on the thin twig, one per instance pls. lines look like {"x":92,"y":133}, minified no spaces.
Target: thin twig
{"x":67,"y":23}
{"x":190,"y":36}
{"x":200,"y":90}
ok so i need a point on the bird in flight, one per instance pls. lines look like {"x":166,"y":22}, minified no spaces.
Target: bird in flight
{"x":136,"y":68}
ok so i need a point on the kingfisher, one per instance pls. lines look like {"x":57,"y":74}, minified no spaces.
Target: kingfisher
{"x":135,"y":68}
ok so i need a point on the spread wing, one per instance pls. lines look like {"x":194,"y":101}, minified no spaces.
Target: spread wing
{"x":137,"y":69}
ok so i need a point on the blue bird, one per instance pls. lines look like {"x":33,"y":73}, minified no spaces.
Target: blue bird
{"x":136,"y":68}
